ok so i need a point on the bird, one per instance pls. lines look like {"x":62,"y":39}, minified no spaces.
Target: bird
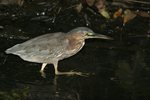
{"x":52,"y":47}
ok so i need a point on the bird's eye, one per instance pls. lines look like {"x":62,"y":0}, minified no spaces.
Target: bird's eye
{"x":89,"y":34}
{"x":86,"y":34}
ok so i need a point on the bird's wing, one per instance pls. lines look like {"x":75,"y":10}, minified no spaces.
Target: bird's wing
{"x":49,"y":45}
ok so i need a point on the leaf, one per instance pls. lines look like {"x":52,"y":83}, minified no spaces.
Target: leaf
{"x":141,"y":13}
{"x":1,"y":27}
{"x":129,"y":3}
{"x":148,"y":31}
{"x":104,"y":13}
{"x":78,"y":7}
{"x":100,"y":4}
{"x":116,"y":14}
{"x":20,"y":2}
{"x":128,"y":15}
{"x":90,"y":2}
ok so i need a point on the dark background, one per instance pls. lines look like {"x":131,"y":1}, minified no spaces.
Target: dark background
{"x":118,"y":69}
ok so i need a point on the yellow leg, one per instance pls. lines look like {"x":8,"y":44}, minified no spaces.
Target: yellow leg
{"x":42,"y":70}
{"x":43,"y":66}
{"x":62,"y":73}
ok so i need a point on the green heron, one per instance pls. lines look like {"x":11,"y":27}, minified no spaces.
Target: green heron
{"x":50,"y":48}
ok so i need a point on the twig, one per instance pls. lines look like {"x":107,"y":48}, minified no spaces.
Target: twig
{"x":52,"y":18}
{"x":5,"y":59}
{"x":146,"y":35}
{"x":59,"y":10}
{"x":132,"y":1}
{"x":140,"y":2}
{"x":64,"y":15}
{"x":53,"y":6}
{"x":69,"y":7}
{"x":23,"y":5}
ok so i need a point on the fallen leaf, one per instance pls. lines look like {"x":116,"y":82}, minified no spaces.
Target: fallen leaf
{"x":91,"y":10}
{"x":1,"y":27}
{"x":141,"y":13}
{"x":90,"y":2}
{"x":116,"y":14}
{"x":148,"y":32}
{"x":117,"y":28}
{"x":20,"y":2}
{"x":104,"y":13}
{"x":78,"y":7}
{"x":113,"y":79}
{"x":112,"y":47}
{"x":100,"y":4}
{"x":128,"y":15}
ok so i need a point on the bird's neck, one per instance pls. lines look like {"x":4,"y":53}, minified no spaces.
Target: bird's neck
{"x":76,"y":41}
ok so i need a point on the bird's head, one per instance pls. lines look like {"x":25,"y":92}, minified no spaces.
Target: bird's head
{"x":86,"y":33}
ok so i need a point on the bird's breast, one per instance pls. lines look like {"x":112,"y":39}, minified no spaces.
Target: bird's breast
{"x":74,"y":46}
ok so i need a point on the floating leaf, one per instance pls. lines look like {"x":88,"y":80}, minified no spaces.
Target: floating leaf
{"x":116,"y":14}
{"x":128,"y":15}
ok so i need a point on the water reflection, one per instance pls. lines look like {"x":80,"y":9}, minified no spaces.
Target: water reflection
{"x":130,"y":68}
{"x":51,"y":90}
{"x":119,"y":74}
{"x":38,"y":90}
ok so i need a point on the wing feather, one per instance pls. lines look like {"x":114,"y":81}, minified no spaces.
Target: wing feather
{"x":47,"y":46}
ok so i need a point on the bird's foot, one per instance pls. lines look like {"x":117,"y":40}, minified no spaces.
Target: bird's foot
{"x":43,"y":74}
{"x":71,"y":73}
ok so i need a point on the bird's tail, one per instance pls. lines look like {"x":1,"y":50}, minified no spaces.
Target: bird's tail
{"x":13,"y":49}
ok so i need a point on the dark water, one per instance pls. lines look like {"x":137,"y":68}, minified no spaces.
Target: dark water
{"x":118,"y":69}
{"x":114,"y":74}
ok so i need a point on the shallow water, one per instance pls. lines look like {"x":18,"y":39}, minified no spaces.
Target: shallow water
{"x":114,"y":74}
{"x":118,"y":69}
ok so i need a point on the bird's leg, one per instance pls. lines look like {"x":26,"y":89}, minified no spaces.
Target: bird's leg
{"x":43,"y":66}
{"x":61,"y":73}
{"x":42,"y":70}
{"x":56,"y":67}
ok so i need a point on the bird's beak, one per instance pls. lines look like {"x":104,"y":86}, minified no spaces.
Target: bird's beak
{"x":96,"y":35}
